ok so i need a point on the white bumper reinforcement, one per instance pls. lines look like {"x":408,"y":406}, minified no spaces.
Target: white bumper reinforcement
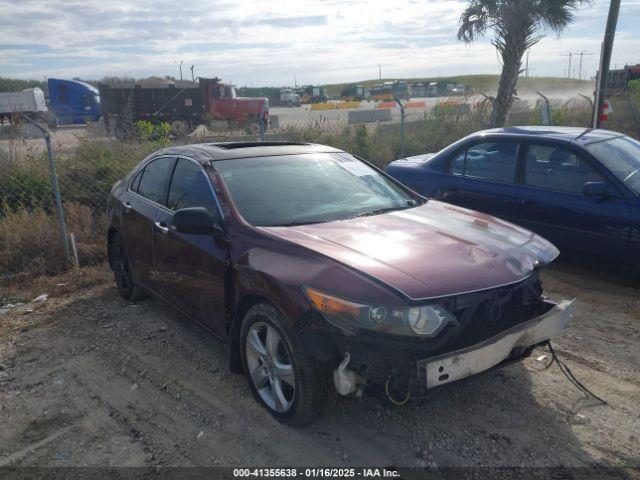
{"x":480,"y":357}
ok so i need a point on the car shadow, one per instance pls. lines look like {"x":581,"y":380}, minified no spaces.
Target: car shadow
{"x":166,"y":378}
{"x":519,"y":415}
{"x":508,"y":417}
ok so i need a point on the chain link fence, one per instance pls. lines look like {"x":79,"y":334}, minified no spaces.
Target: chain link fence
{"x":88,"y":162}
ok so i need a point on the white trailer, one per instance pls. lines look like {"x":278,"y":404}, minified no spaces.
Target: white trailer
{"x":27,"y":101}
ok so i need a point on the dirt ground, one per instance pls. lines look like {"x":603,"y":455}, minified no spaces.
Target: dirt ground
{"x":88,"y":379}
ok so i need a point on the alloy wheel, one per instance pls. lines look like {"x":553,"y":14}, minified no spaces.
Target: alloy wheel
{"x":270,"y":367}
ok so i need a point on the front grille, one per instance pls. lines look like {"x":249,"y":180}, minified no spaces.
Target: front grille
{"x":480,"y":315}
{"x":484,"y":314}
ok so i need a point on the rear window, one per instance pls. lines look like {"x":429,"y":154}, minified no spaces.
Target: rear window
{"x":495,"y":161}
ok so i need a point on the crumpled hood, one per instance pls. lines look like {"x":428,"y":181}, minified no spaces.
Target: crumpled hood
{"x":429,"y":251}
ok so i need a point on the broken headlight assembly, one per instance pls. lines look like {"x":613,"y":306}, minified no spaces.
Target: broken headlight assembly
{"x":349,"y":316}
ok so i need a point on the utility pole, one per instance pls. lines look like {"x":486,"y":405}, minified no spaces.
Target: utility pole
{"x":582,"y":54}
{"x":379,"y":72}
{"x":526,"y":69}
{"x":180,"y":67}
{"x":193,"y":78}
{"x":570,"y":55}
{"x":605,"y":60}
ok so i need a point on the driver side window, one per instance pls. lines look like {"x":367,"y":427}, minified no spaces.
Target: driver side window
{"x":190,"y":188}
{"x":557,"y":168}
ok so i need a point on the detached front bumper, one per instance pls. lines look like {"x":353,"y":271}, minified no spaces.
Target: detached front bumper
{"x":460,"y":364}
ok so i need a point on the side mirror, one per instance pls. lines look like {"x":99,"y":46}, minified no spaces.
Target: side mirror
{"x":596,"y":189}
{"x":196,"y":220}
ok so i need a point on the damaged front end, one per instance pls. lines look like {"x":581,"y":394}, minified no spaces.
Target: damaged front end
{"x":411,"y":349}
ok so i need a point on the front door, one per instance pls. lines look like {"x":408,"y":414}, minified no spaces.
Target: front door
{"x":189,"y":269}
{"x":553,"y":205}
{"x":482,"y":177}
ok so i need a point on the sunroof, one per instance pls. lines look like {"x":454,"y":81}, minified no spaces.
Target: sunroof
{"x":232,"y":145}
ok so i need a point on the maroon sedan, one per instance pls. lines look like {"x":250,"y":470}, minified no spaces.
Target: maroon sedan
{"x":322,"y":273}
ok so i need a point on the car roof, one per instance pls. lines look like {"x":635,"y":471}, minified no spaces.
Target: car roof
{"x":208,"y":152}
{"x":571,"y":134}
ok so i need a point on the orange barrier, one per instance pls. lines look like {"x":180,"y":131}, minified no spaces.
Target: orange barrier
{"x":416,"y":104}
{"x":387,"y":105}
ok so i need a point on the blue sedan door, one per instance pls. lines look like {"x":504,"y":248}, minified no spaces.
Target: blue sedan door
{"x":553,"y":205}
{"x":482,"y":176}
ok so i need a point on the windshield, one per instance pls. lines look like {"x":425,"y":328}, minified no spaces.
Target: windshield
{"x":309,"y":188}
{"x":622,"y":156}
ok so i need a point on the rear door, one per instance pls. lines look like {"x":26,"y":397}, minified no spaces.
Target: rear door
{"x":146,"y":194}
{"x":189,"y":269}
{"x":482,"y":176}
{"x":552,"y":203}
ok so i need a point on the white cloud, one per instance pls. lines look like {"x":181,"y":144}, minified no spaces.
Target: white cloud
{"x":269,"y":42}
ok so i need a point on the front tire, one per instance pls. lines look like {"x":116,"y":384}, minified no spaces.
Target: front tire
{"x":122,"y":274}
{"x":291,"y":385}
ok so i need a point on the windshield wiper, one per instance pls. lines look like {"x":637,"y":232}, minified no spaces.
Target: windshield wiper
{"x":291,"y":224}
{"x":379,"y":211}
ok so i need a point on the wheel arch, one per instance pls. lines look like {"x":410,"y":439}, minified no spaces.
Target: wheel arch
{"x":244,"y":304}
{"x":110,"y":234}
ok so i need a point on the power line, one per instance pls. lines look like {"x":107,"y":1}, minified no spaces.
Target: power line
{"x":581,"y":54}
{"x":526,"y":69}
{"x":570,"y":55}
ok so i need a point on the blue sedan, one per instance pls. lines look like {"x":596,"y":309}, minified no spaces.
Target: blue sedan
{"x":579,"y":188}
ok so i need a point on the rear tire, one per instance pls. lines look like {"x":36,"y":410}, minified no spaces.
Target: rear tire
{"x":181,"y":128}
{"x":304,"y":383}
{"x":122,"y":274}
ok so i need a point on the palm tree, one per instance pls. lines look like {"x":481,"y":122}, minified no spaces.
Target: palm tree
{"x":516,"y":26}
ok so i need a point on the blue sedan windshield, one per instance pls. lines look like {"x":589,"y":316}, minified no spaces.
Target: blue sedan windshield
{"x":622,"y":157}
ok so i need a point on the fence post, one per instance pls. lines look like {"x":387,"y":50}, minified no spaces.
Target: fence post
{"x":545,"y":111}
{"x":401,"y":125}
{"x":492,"y":101}
{"x":262,"y":125}
{"x":62,"y":227}
{"x":634,"y":109}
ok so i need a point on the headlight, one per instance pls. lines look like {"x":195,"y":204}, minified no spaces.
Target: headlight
{"x":424,"y":320}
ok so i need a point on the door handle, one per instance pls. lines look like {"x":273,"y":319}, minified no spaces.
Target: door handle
{"x":162,"y":227}
{"x":126,"y":207}
{"x":528,"y":202}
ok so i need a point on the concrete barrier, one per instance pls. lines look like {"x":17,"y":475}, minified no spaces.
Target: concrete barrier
{"x":387,"y":105}
{"x":335,"y":105}
{"x":323,"y":106}
{"x":347,"y":105}
{"x":373,"y":115}
{"x":416,"y":104}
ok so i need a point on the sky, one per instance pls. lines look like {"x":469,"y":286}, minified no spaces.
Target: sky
{"x":279,"y":42}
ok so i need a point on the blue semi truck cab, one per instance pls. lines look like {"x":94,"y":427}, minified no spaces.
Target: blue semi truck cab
{"x":74,"y":102}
